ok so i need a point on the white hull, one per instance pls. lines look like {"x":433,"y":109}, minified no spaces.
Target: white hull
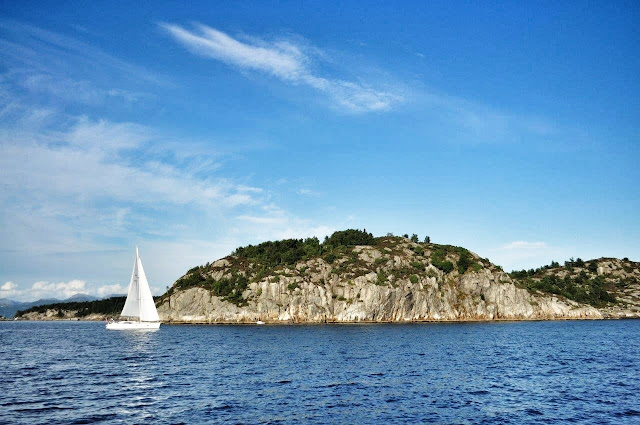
{"x":130,"y":325}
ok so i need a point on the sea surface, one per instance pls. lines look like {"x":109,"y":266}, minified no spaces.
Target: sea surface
{"x":468,"y":373}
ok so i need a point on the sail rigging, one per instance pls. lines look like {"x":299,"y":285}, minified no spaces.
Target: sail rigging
{"x":139,"y":301}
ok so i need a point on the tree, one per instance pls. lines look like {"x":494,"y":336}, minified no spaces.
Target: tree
{"x":427,"y":239}
{"x":414,"y":238}
{"x":350,"y":237}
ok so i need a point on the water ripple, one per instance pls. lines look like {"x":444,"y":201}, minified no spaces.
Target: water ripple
{"x":511,"y":373}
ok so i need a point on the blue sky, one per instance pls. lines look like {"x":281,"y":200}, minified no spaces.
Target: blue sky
{"x":189,"y":130}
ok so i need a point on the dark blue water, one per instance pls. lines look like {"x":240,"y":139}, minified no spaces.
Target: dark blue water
{"x":530,"y":372}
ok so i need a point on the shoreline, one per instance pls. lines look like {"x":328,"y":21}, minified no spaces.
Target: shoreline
{"x":361,"y":322}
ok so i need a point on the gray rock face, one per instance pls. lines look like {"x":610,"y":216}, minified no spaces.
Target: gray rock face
{"x":394,"y":280}
{"x":323,"y":296}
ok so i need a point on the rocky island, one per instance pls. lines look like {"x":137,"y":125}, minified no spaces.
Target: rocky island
{"x":353,"y":277}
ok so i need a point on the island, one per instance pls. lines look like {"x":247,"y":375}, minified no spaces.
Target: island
{"x":354,"y":277}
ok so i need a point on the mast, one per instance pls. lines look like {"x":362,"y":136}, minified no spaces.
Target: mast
{"x":139,"y":294}
{"x":139,"y":301}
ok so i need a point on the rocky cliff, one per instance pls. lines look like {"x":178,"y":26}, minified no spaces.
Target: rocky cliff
{"x":392,"y":279}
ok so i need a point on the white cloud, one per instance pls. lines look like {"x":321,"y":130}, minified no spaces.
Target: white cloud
{"x":262,"y":220}
{"x":277,"y":224}
{"x":114,"y":289}
{"x":90,"y":166}
{"x":73,"y":91}
{"x":284,"y":60}
{"x":525,"y":254}
{"x":8,"y":286}
{"x":62,"y":290}
{"x":9,"y":289}
{"x":524,"y":245}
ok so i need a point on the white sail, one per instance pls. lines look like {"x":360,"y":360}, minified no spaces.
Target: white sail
{"x":132,"y":304}
{"x":139,"y":301}
{"x":148,"y":312}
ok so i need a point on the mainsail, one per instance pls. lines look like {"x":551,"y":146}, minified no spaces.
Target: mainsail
{"x":139,"y":299}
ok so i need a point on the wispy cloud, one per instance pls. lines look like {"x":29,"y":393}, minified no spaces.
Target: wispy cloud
{"x":524,"y":245}
{"x":475,"y":123}
{"x":275,"y":223}
{"x":307,"y":192}
{"x":285,"y":60}
{"x":262,"y":220}
{"x":81,"y":189}
{"x":527,"y":254}
{"x":45,"y":50}
{"x":59,"y":70}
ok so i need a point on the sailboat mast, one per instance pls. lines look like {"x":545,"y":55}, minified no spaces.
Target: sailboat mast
{"x":139,"y":293}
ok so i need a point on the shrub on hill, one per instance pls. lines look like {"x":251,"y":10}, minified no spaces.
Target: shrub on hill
{"x":230,"y":289}
{"x":350,"y":237}
{"x":438,"y":259}
{"x":579,"y":288}
{"x":290,"y":251}
{"x":287,"y":251}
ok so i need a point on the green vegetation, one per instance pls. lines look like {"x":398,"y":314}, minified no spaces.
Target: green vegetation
{"x":274,"y":259}
{"x":418,"y":250}
{"x":579,"y":283}
{"x":586,"y":291}
{"x":330,"y":257}
{"x":351,"y":237}
{"x":109,"y":306}
{"x":432,"y":273}
{"x":230,"y":289}
{"x":438,"y":259}
{"x":522,"y":274}
{"x":417,"y":265}
{"x":464,"y":261}
{"x":288,"y":251}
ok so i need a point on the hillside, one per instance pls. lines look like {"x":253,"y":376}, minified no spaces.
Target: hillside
{"x":65,"y":310}
{"x":353,"y":277}
{"x":607,"y":283}
{"x":8,"y":308}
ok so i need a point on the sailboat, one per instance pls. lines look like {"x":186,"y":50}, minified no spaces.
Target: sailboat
{"x":139,"y":312}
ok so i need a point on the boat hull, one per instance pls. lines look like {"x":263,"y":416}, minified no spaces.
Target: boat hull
{"x":133,"y":326}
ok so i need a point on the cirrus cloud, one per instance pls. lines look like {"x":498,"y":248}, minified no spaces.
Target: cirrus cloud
{"x":285,"y":60}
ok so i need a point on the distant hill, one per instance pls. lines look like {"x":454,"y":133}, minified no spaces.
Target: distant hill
{"x":80,"y":298}
{"x":8,"y":308}
{"x":94,"y":309}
